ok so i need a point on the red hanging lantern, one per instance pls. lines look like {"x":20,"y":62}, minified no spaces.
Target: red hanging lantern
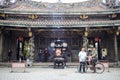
{"x":96,"y":39}
{"x":20,"y":38}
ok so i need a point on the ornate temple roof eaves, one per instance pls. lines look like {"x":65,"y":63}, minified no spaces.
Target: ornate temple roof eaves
{"x":61,"y":26}
{"x":76,"y":24}
{"x":60,"y":13}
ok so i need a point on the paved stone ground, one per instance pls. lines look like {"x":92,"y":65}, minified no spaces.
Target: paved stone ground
{"x":57,"y":74}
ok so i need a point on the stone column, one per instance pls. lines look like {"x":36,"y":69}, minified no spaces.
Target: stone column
{"x":116,"y":48}
{"x":1,"y":41}
{"x":32,"y":48}
{"x":85,"y":42}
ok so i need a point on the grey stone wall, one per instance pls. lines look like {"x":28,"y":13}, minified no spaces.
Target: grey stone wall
{"x":1,"y":37}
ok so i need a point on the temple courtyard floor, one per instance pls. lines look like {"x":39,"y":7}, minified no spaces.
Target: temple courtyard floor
{"x":38,"y":73}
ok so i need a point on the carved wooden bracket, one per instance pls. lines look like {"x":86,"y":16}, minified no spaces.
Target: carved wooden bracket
{"x":33,"y":16}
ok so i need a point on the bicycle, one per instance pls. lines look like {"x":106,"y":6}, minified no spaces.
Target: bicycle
{"x":98,"y":66}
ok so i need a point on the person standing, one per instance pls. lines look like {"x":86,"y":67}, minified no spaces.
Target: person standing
{"x":82,"y":59}
{"x":40,"y":53}
{"x":94,"y":58}
{"x":46,"y":54}
{"x":9,"y":55}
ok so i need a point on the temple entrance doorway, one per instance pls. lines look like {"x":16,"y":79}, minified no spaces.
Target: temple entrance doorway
{"x":23,"y":48}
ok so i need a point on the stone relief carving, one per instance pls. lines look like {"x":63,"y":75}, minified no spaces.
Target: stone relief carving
{"x":85,"y":42}
{"x":32,"y":48}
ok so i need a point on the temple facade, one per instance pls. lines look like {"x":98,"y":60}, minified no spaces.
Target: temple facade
{"x":27,"y":26}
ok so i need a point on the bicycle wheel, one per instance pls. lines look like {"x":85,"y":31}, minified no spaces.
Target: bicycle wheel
{"x":99,"y":68}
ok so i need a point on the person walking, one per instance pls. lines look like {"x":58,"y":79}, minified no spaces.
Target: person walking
{"x":82,"y":59}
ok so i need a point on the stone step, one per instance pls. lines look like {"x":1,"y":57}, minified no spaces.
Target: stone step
{"x":50,"y":64}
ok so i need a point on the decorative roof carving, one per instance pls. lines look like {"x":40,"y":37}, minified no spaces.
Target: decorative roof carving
{"x":32,"y":6}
